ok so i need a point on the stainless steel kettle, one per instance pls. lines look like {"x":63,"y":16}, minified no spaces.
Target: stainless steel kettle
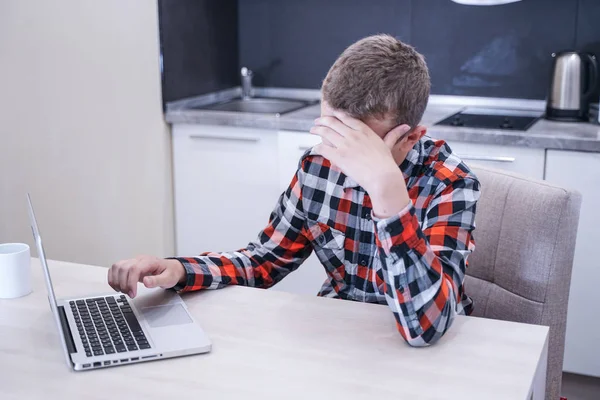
{"x":574,"y":78}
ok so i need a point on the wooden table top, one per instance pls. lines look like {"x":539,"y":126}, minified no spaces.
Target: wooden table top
{"x":269,"y":344}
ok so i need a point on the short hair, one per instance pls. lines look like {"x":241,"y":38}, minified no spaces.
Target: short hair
{"x":379,"y":76}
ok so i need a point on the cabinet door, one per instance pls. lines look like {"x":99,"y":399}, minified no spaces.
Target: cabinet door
{"x":522,"y":160}
{"x":225,"y":182}
{"x":580,"y":171}
{"x":309,"y":277}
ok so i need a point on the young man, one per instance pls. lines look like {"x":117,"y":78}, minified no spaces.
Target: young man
{"x":389,"y":213}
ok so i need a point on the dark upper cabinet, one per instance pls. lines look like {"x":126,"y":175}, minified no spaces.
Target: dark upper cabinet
{"x":499,"y":51}
{"x":293,"y":43}
{"x":199,"y":45}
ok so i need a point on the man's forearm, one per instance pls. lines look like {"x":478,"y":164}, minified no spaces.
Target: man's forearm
{"x":419,"y":293}
{"x":279,"y":249}
{"x":388,"y":194}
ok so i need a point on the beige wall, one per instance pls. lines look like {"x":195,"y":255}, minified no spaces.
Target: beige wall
{"x":81,"y":128}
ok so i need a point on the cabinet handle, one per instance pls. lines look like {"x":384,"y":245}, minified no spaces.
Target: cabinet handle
{"x":228,"y":138}
{"x":488,"y":158}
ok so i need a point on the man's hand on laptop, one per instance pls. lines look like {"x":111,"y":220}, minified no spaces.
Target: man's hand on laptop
{"x":153,"y":272}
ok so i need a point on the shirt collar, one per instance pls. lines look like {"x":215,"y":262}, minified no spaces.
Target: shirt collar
{"x":349,"y":182}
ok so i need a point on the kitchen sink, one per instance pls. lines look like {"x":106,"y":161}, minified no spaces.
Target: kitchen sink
{"x":258,"y":105}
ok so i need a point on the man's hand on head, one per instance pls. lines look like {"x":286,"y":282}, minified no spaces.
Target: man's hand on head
{"x":361,"y":154}
{"x":153,"y":272}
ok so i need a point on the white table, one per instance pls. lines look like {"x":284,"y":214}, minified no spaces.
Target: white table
{"x":274,"y":345}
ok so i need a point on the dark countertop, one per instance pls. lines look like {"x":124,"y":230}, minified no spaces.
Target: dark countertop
{"x":543,"y":134}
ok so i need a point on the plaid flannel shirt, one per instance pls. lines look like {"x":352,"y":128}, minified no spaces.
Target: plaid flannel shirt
{"x":414,"y":261}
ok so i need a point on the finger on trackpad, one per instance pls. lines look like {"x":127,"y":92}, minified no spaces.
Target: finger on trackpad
{"x":166,"y":315}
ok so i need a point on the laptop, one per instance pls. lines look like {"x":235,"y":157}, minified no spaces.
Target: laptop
{"x":110,"y":330}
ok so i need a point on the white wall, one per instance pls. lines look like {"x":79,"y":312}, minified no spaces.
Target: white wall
{"x":81,"y":128}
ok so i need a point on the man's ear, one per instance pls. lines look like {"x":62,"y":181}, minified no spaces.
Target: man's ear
{"x":395,"y":136}
{"x":413,"y":137}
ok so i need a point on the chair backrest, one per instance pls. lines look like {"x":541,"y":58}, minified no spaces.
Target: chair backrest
{"x":521,"y":267}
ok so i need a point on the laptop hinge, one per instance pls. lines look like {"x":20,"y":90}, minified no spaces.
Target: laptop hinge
{"x":66,"y":330}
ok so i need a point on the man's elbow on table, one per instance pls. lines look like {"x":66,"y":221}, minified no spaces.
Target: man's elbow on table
{"x":427,"y":333}
{"x":425,"y":339}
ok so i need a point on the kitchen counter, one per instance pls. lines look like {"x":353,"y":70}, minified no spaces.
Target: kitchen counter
{"x":543,"y":134}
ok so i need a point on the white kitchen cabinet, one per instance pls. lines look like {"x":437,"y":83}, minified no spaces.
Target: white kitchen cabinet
{"x":292,"y":145}
{"x":521,"y":160}
{"x":581,"y":171}
{"x":225,"y":182}
{"x":309,"y":277}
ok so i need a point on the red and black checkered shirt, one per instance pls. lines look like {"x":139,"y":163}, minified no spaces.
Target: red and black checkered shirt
{"x":414,"y":261}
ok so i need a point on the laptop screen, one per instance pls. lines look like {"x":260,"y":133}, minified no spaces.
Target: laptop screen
{"x":51,"y":296}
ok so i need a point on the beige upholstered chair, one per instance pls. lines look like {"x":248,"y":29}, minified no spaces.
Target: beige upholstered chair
{"x":521,"y":268}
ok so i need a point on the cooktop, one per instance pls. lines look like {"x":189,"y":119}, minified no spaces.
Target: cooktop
{"x":491,"y":118}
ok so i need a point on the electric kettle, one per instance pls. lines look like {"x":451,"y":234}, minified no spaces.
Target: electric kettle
{"x":573,"y":80}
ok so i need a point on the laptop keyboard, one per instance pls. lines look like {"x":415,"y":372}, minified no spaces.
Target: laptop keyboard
{"x":107,"y":325}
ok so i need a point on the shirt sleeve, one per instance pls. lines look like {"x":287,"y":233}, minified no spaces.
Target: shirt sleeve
{"x":279,"y":249}
{"x":424,"y":266}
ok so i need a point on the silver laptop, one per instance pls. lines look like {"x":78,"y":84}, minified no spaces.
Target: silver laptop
{"x":109,"y":330}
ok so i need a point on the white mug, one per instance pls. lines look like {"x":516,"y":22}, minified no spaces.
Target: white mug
{"x":15,"y":270}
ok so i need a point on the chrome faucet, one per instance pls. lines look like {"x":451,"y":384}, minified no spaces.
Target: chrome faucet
{"x":246,"y":76}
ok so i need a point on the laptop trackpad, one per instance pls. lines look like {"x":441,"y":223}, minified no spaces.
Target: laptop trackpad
{"x":167,"y":315}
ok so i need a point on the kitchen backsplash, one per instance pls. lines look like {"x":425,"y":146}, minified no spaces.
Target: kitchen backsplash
{"x":498,"y":51}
